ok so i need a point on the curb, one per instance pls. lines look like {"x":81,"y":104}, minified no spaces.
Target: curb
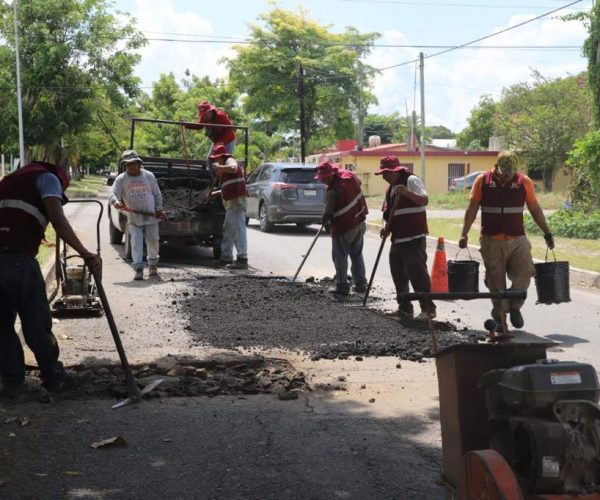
{"x":577,"y":277}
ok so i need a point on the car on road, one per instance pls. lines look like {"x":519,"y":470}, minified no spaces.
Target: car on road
{"x":285,"y":193}
{"x":465,"y":182}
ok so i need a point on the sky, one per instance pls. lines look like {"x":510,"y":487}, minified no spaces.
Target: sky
{"x":453,"y":81}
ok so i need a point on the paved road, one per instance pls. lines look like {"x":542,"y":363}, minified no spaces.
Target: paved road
{"x":575,"y":324}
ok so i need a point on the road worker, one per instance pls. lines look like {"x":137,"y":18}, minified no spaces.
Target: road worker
{"x":31,"y":197}
{"x":502,"y":193}
{"x":408,"y":227}
{"x":345,"y":215}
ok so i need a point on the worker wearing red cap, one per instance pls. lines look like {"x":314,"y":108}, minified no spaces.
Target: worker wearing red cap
{"x":209,"y":114}
{"x":345,"y":213}
{"x":31,"y":197}
{"x":408,"y":226}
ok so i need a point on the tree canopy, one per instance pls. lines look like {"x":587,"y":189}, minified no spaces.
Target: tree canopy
{"x":480,"y":125}
{"x":293,"y":57}
{"x":75,"y":59}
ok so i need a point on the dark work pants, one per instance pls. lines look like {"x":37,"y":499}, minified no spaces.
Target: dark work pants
{"x":408,"y":263}
{"x":23,"y":292}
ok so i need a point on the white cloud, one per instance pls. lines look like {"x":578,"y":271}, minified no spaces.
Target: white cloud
{"x":455,"y":82}
{"x":161,"y":20}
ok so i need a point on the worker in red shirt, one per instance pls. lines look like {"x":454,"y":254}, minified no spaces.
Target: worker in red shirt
{"x":345,"y":213}
{"x":209,"y":114}
{"x":502,"y":194}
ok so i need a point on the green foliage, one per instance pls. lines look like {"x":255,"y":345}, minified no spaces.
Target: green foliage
{"x":569,"y":223}
{"x":591,"y":51}
{"x":391,"y":128}
{"x":291,"y":48}
{"x":480,"y":127}
{"x":74,"y":57}
{"x":542,"y":121}
{"x":584,"y":160}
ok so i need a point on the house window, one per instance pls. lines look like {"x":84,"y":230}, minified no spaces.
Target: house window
{"x":350,"y":167}
{"x":409,"y":166}
{"x":455,"y":170}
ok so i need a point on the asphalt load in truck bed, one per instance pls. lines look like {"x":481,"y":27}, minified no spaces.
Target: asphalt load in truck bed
{"x":185,"y":197}
{"x":256,"y":312}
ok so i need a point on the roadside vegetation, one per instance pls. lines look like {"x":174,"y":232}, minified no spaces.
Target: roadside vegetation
{"x":581,"y":253}
{"x":88,"y":186}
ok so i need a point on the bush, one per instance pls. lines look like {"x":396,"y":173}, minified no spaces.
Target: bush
{"x":569,"y":223}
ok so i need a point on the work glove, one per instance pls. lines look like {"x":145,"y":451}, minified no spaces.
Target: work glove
{"x":326,"y":221}
{"x":549,"y":240}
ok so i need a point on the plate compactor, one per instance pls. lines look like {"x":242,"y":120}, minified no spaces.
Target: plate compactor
{"x":79,"y":294}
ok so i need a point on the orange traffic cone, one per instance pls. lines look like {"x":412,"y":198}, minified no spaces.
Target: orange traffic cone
{"x":439,"y":272}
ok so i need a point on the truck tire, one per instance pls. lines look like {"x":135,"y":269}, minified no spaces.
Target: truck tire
{"x":116,"y":236}
{"x":217,"y":252}
{"x":266,"y":226}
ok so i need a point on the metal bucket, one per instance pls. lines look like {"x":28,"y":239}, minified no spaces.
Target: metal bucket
{"x":463,"y":276}
{"x":552,"y":282}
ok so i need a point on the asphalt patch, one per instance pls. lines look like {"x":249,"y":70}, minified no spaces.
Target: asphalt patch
{"x":241,"y":311}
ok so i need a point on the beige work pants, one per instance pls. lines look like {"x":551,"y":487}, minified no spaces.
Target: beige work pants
{"x":504,"y":258}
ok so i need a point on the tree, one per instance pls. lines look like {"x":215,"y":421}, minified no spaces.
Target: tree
{"x":439,"y":132}
{"x":73,"y":54}
{"x":584,"y":160}
{"x":542,"y":120}
{"x":292,"y":60}
{"x":591,"y":49}
{"x":480,"y":125}
{"x":391,"y":128}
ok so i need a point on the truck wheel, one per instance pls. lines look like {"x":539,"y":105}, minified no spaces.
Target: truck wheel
{"x":116,"y":236}
{"x":217,"y":252}
{"x":266,"y":226}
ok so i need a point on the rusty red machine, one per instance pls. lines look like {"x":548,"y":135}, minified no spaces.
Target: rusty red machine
{"x":515,"y":424}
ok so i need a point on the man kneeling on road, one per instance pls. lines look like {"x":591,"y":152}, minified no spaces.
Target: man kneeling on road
{"x":506,"y":251}
{"x":29,"y":198}
{"x":408,"y":225}
{"x":136,"y":192}
{"x":345,"y":213}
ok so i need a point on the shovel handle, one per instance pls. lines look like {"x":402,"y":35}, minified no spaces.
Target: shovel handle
{"x":386,"y":228}
{"x":308,"y":253}
{"x":132,"y":387}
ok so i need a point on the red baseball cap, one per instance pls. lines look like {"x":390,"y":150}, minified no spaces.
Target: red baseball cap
{"x":390,"y":164}
{"x":205,"y":106}
{"x":325,"y":169}
{"x":219,"y":151}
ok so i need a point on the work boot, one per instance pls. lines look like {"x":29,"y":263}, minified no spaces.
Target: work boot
{"x":422,"y":316}
{"x":400,"y":313}
{"x":224,"y":263}
{"x":238,"y":264}
{"x":360,"y":288}
{"x":139,"y":274}
{"x":68,"y":384}
{"x":516,"y":318}
{"x":11,"y":390}
{"x":153,"y":271}
{"x":339,"y":290}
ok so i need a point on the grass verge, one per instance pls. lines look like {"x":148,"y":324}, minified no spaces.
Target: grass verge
{"x":86,"y":187}
{"x":584,"y":254}
{"x":47,"y":250}
{"x":460,"y":200}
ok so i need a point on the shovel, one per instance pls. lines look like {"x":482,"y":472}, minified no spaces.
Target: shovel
{"x":308,"y":253}
{"x":135,"y":394}
{"x":387,"y":226}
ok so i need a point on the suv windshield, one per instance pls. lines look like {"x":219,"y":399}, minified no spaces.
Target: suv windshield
{"x":298,"y":176}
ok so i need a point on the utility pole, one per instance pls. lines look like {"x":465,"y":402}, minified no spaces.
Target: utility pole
{"x":302,"y":114}
{"x":422,"y":148}
{"x":19,"y":104}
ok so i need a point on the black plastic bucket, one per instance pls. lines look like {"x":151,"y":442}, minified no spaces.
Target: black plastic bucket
{"x":463,"y":276}
{"x":552,"y":282}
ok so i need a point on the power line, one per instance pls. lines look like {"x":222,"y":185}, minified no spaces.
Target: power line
{"x":438,"y":4}
{"x":484,"y":37}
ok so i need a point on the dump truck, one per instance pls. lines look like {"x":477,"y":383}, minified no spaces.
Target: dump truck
{"x":192,"y":216}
